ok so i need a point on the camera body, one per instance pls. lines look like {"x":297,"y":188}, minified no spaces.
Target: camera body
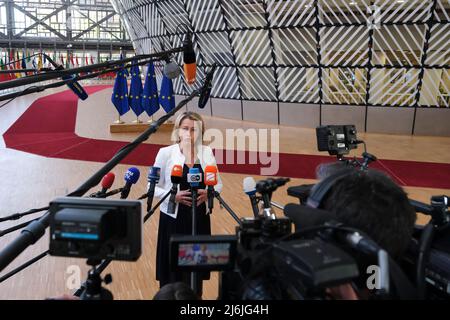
{"x":96,"y":228}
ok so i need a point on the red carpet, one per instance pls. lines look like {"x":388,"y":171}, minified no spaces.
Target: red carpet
{"x":47,"y":128}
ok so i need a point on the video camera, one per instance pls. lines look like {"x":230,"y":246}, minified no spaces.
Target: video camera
{"x":265,"y":252}
{"x":99,"y":230}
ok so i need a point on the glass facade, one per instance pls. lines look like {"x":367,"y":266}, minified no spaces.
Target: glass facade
{"x":361,"y":52}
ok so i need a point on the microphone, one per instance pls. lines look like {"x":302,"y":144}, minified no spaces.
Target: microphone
{"x":131,"y":177}
{"x":107,"y":182}
{"x":176,"y":177}
{"x":194,"y":178}
{"x":249,"y":185}
{"x":152,"y":178}
{"x":74,"y":86}
{"x":206,"y":89}
{"x":189,"y":60}
{"x":210,"y":181}
{"x":171,"y":70}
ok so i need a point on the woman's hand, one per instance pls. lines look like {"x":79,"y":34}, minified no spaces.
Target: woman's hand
{"x":184,"y":197}
{"x":202,"y":196}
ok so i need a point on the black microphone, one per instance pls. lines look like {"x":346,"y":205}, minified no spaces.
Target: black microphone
{"x":210,"y":181}
{"x":206,"y":89}
{"x":131,"y":177}
{"x":249,"y":185}
{"x":73,"y":85}
{"x":152,"y":178}
{"x":176,"y":177}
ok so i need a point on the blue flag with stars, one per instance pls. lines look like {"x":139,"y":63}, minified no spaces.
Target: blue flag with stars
{"x":150,"y":101}
{"x":120,"y":93}
{"x":136,"y":91}
{"x":166,"y":98}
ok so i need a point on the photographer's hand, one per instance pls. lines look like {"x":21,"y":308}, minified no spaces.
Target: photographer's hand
{"x":184,"y":197}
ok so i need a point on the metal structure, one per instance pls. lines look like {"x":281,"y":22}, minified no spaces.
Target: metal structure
{"x":62,"y":25}
{"x":360,"y":52}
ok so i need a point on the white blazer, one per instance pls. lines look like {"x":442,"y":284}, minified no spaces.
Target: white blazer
{"x":169,"y":156}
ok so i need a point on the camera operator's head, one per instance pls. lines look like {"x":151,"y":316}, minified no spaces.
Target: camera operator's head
{"x":176,"y":291}
{"x":371,"y":202}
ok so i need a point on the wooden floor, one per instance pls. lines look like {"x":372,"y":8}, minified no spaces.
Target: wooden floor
{"x":30,"y":181}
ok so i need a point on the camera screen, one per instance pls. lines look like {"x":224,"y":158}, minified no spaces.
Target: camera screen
{"x":203,"y":254}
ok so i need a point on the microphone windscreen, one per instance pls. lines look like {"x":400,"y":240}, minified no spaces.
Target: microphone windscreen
{"x":305,"y":217}
{"x":190,"y":71}
{"x":153,"y":174}
{"x":210,"y":175}
{"x":249,"y":185}
{"x":177,"y":174}
{"x":171,"y":70}
{"x":108,"y":180}
{"x":132,"y":175}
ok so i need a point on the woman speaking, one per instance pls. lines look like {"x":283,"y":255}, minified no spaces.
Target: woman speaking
{"x":188,"y":152}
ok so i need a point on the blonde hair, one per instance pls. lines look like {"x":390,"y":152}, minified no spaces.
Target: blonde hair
{"x":186,"y":115}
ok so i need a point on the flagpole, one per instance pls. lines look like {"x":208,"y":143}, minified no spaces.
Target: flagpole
{"x":118,"y":121}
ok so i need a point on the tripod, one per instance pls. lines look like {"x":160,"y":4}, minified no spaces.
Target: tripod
{"x":94,"y":289}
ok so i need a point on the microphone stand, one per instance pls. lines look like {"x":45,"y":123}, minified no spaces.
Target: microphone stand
{"x":194,"y":275}
{"x":227,"y":207}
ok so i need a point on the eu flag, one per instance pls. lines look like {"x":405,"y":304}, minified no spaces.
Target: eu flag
{"x":166,"y":98}
{"x":120,"y":93}
{"x":150,"y":101}
{"x":136,"y":91}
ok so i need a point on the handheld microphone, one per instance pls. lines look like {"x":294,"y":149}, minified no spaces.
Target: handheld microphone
{"x":210,"y":181}
{"x":131,"y":177}
{"x":107,"y":182}
{"x":189,"y":60}
{"x":249,"y":185}
{"x":206,"y":89}
{"x":176,"y":177}
{"x":152,"y":178}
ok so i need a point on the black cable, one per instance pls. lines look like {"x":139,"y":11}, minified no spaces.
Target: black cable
{"x":23,"y":266}
{"x":17,"y":216}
